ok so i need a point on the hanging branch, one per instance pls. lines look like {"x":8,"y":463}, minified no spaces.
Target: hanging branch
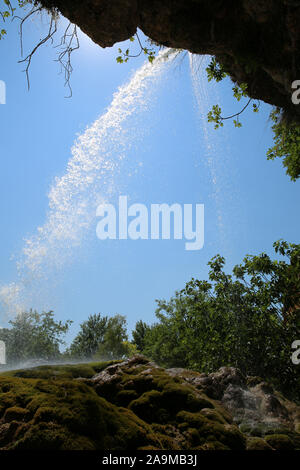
{"x":215,"y":115}
{"x":237,"y":114}
{"x":22,"y":21}
{"x":127,"y":56}
{"x":64,"y":58}
{"x":69,"y":42}
{"x":51,"y":32}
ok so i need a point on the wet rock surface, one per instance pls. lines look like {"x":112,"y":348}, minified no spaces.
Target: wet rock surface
{"x":254,"y":405}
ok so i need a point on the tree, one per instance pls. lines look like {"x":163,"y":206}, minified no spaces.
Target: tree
{"x":286,"y":144}
{"x":90,"y":336}
{"x":247,"y":319}
{"x":102,"y":337}
{"x":114,"y":345}
{"x":139,"y":334}
{"x":34,"y":336}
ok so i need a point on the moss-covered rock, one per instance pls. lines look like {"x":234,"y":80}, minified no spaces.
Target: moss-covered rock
{"x":257,"y":443}
{"x":16,"y":413}
{"x":64,"y":414}
{"x":280,"y":442}
{"x":61,"y":371}
{"x":132,"y":404}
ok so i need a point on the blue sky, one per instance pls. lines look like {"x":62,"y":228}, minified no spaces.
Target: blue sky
{"x":253,"y":198}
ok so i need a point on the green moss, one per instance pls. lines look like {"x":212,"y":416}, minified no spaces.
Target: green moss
{"x":156,"y":406}
{"x":51,"y":436}
{"x":50,"y":409}
{"x":67,"y":415}
{"x":257,"y":443}
{"x":16,"y":414}
{"x":148,"y":407}
{"x":196,"y":420}
{"x":64,"y":371}
{"x":214,"y":415}
{"x":162,"y":396}
{"x":280,"y":442}
{"x":214,"y":445}
{"x":139,"y":383}
{"x":210,"y":431}
{"x":125,"y":397}
{"x":254,"y":429}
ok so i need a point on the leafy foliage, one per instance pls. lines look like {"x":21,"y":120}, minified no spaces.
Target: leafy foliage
{"x":115,"y":341}
{"x":125,"y":56}
{"x":286,"y":144}
{"x":216,"y":71}
{"x":34,"y":336}
{"x":91,"y":334}
{"x":102,"y":337}
{"x":9,"y":11}
{"x":139,"y":334}
{"x":286,"y":135}
{"x":247,"y":319}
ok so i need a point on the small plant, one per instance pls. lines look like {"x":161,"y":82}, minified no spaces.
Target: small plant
{"x":215,"y":71}
{"x":9,"y":11}
{"x":125,"y":56}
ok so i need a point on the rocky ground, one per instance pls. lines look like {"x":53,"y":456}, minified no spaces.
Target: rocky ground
{"x":135,"y":404}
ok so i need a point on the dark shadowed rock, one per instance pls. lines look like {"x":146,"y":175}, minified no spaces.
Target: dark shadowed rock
{"x":257,"y":41}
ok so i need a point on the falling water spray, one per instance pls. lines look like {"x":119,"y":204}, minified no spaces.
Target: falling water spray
{"x":91,"y":174}
{"x":218,"y":155}
{"x":89,"y":180}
